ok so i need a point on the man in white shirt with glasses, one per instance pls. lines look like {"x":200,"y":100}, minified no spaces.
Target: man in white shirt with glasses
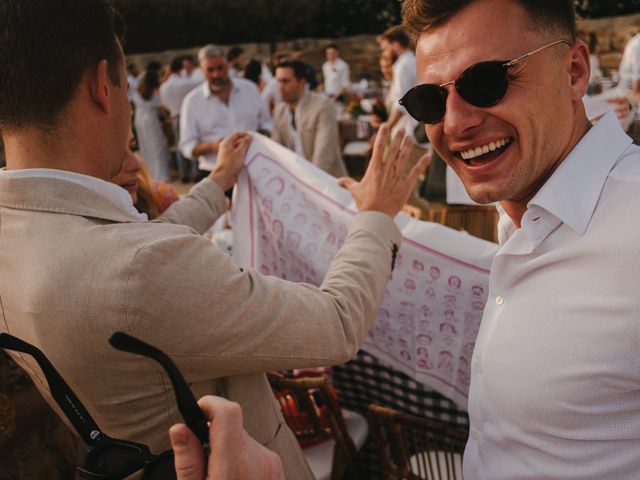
{"x":555,"y":386}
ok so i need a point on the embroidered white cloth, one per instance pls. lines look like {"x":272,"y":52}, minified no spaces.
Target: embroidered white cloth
{"x":290,"y":218}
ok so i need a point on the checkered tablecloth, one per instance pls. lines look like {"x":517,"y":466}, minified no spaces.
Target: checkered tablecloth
{"x":366,"y":380}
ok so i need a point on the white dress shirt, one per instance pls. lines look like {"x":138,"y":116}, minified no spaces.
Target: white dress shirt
{"x":629,"y":70}
{"x":555,"y":383}
{"x":114,"y":193}
{"x":336,"y":76}
{"x":205,"y":118}
{"x":173,"y":91}
{"x":404,"y":79}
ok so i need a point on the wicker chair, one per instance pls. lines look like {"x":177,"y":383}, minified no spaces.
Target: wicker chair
{"x":323,"y":429}
{"x":479,"y":221}
{"x":414,"y":448}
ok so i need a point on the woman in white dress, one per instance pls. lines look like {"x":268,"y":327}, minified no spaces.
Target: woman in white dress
{"x":148,"y":124}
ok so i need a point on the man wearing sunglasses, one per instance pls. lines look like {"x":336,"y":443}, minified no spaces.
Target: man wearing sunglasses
{"x":77,"y":262}
{"x":555,"y":386}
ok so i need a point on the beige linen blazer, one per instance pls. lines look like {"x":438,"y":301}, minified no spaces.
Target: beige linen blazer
{"x":318,"y":128}
{"x":74,"y":268}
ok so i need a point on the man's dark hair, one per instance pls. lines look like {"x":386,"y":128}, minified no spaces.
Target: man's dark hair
{"x":233,"y":53}
{"x":420,"y":16}
{"x":253,"y":71}
{"x":331,"y":45}
{"x":176,"y":65}
{"x":46,"y":47}
{"x":298,"y":67}
{"x":397,"y":34}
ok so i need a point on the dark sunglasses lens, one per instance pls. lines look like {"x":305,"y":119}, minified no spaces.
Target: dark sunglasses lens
{"x":110,"y":460}
{"x":162,"y":468}
{"x":484,"y":84}
{"x":425,"y":103}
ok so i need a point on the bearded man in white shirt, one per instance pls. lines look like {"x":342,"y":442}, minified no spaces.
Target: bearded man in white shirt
{"x":305,"y":122}
{"x":219,"y":107}
{"x":555,"y":386}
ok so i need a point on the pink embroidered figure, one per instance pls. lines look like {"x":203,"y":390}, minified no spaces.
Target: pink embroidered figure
{"x":455,"y":282}
{"x":477,"y":290}
{"x":425,"y":311}
{"x":310,"y":249}
{"x":403,"y":343}
{"x":316,"y":228}
{"x":448,"y":328}
{"x":418,"y":266}
{"x":468,"y":349}
{"x":278,"y":229}
{"x":300,"y":219}
{"x":434,"y":272}
{"x":407,"y":307}
{"x":450,"y":301}
{"x":293,"y":240}
{"x":406,"y":356}
{"x":424,"y":339}
{"x":430,"y":293}
{"x":276,"y":185}
{"x":425,"y":363}
{"x":478,"y":305}
{"x":445,"y":361}
{"x":331,"y":239}
{"x":410,"y":284}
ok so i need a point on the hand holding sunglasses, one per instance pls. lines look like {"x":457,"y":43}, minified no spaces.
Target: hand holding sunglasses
{"x":110,"y":458}
{"x":482,"y":85}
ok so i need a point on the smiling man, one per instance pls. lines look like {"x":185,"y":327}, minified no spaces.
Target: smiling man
{"x":555,"y":388}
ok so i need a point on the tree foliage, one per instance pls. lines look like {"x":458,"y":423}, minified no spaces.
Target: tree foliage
{"x":164,"y":24}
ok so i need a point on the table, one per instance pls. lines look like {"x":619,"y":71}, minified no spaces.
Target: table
{"x":366,"y":380}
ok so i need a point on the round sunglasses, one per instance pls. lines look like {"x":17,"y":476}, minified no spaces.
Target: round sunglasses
{"x":482,"y":85}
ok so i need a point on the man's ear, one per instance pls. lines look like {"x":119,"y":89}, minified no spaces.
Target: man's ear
{"x":100,"y":87}
{"x":579,"y":70}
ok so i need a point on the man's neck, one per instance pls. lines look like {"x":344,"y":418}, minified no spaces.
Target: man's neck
{"x":224,"y":93}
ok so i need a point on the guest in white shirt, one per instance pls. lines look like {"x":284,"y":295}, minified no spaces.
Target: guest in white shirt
{"x":555,"y":382}
{"x":189,"y":69}
{"x":403,"y":79}
{"x":220,"y":106}
{"x":237,"y":62}
{"x":172,"y":93}
{"x":335,"y":71}
{"x":132,"y":77}
{"x":629,"y":70}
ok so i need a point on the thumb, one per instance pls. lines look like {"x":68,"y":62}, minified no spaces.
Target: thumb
{"x":346,"y":182}
{"x":189,"y":461}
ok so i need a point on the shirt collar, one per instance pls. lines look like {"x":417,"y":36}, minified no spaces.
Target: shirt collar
{"x":116,"y":195}
{"x":572,"y":192}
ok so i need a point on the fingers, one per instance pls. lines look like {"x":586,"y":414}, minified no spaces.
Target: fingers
{"x":419,"y":168}
{"x":189,"y":461}
{"x":403,"y":155}
{"x":346,"y":182}
{"x":378,"y":147}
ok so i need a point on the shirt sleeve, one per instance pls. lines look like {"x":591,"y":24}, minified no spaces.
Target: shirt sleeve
{"x":189,"y":136}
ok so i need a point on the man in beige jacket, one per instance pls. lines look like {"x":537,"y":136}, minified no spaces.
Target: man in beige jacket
{"x":77,"y":262}
{"x":305,"y":122}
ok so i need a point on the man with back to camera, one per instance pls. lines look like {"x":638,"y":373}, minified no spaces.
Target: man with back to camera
{"x":220,"y":106}
{"x":305,"y":122}
{"x":78,"y":262}
{"x":555,"y":372}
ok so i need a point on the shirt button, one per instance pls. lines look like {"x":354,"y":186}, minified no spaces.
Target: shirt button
{"x":475,"y":435}
{"x":499,"y":300}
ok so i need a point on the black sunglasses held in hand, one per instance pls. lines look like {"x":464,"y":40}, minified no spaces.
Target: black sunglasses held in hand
{"x":482,"y":85}
{"x":111,"y":458}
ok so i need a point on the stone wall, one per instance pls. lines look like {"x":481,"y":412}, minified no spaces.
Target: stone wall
{"x":612,"y":34}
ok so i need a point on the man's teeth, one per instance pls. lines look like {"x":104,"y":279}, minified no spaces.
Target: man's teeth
{"x":476,"y":152}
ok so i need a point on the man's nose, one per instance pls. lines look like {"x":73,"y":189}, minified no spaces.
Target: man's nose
{"x":460,"y":116}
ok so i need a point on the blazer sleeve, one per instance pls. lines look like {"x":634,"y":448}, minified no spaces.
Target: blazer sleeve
{"x":216,"y":319}
{"x":199,"y":209}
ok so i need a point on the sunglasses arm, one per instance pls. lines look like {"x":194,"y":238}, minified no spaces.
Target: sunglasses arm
{"x":60,"y":391}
